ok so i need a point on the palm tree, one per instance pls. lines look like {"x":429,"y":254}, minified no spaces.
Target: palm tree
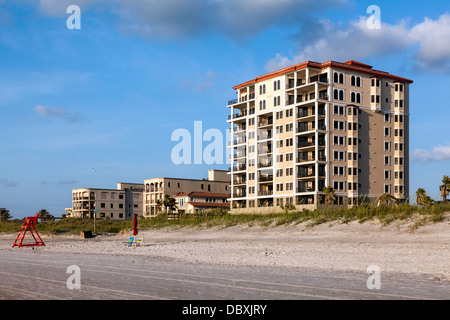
{"x":427,"y":201}
{"x":159,"y":204}
{"x":445,"y":188}
{"x":329,"y":195}
{"x":4,"y":215}
{"x":420,"y":194}
{"x":169,"y":202}
{"x":45,"y":216}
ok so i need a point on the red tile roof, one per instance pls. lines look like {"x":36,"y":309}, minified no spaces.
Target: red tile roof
{"x":209,"y":204}
{"x":202,"y":194}
{"x":349,"y":65}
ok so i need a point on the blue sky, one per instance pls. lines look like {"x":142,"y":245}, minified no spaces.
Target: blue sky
{"x":109,"y":95}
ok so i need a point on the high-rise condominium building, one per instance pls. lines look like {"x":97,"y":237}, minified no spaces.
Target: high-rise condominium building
{"x":313,"y":125}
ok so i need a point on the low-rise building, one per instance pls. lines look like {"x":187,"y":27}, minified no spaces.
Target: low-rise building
{"x":195,"y":202}
{"x":117,"y":204}
{"x":218,"y":182}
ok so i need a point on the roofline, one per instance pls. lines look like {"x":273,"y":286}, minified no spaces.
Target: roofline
{"x":349,"y":65}
{"x":206,"y":180}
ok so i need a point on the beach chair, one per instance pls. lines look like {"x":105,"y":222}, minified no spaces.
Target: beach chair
{"x":130,"y":241}
{"x":139,"y":241}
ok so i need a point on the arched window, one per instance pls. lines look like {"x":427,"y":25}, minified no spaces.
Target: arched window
{"x":260,"y":89}
{"x":264,"y":88}
{"x":209,"y":187}
{"x":341,"y":95}
{"x":279,"y":102}
{"x":274,"y":86}
{"x":353,"y":81}
{"x":353,"y":97}
{"x":358,"y":82}
{"x":279,"y":84}
{"x":336,"y":94}
{"x":202,"y":186}
{"x":358,"y":98}
{"x":275,"y":101}
{"x":264,"y":104}
{"x":336,"y":77}
{"x":260,"y":105}
{"x":341,"y":78}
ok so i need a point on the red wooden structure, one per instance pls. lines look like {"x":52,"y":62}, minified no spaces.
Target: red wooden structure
{"x":29,"y":224}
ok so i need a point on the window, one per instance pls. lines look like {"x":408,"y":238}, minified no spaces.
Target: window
{"x":341,"y":95}
{"x":358,"y":82}
{"x":387,"y":146}
{"x":387,"y":174}
{"x":341,"y":78}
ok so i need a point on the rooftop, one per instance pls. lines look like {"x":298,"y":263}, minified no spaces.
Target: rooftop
{"x":348,"y":65}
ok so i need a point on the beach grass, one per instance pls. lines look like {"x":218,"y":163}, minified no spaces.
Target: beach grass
{"x":385,"y":214}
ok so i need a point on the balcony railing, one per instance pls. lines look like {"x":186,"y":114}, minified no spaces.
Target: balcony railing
{"x":239,"y":167}
{"x":265,"y":178}
{"x":265,"y":123}
{"x":265,"y":193}
{"x":265,"y":164}
{"x":239,"y":181}
{"x":238,"y":115}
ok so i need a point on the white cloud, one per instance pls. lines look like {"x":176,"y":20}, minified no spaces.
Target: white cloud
{"x":434,"y":40}
{"x":439,"y":153}
{"x":68,"y":115}
{"x":356,"y":41}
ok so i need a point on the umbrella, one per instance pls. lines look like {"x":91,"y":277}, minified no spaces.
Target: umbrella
{"x":135,"y":230}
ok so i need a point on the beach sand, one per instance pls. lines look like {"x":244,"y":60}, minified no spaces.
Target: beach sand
{"x":353,"y":246}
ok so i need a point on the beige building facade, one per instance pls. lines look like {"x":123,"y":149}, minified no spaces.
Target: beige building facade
{"x":218,"y":181}
{"x":117,"y":204}
{"x":199,"y":202}
{"x":297,"y":130}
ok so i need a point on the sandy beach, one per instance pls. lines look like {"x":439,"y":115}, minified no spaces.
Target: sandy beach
{"x":352,"y":246}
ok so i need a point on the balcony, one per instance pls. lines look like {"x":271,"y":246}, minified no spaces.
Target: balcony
{"x":267,"y":164}
{"x":237,"y":141}
{"x":240,"y":181}
{"x":265,"y":193}
{"x":239,"y":194}
{"x":241,"y":114}
{"x":239,"y":167}
{"x":265,"y":123}
{"x":265,"y":178}
{"x":243,"y":98}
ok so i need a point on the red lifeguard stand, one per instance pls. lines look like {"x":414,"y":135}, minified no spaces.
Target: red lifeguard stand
{"x":29,"y":224}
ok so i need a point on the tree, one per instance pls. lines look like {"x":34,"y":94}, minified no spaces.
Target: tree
{"x":445,"y":188}
{"x":329,"y":195}
{"x":169,"y":202}
{"x":420,"y":194}
{"x":4,"y":215}
{"x":159,"y":204}
{"x":45,"y":216}
{"x":427,"y":201}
